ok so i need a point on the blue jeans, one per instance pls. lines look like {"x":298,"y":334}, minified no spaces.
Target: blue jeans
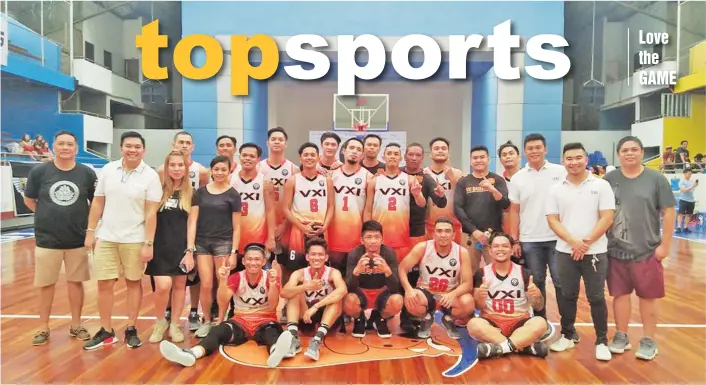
{"x":539,"y":255}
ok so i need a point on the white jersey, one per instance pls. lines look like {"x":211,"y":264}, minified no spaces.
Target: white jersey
{"x":279,"y":176}
{"x":310,"y":200}
{"x":506,"y":297}
{"x":195,"y":175}
{"x":253,"y":220}
{"x":248,"y":299}
{"x":434,"y":212}
{"x":315,"y":296}
{"x":391,"y":208}
{"x":439,"y":274}
{"x":350,"y":192}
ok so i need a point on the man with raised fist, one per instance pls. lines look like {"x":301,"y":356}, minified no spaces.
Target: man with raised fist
{"x":255,"y":293}
{"x":504,"y":292}
{"x":314,"y":296}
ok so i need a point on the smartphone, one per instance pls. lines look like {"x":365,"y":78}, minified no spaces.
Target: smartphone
{"x":182,"y":267}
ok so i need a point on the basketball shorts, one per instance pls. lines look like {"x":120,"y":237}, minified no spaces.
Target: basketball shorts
{"x":316,"y":318}
{"x":432,"y":300}
{"x":373,"y":298}
{"x":250,"y":323}
{"x":291,"y":260}
{"x":507,"y":326}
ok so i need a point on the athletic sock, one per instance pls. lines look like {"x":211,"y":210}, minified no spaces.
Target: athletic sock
{"x":508,"y":346}
{"x":321,"y":333}
{"x":293,"y":328}
{"x":198,"y":351}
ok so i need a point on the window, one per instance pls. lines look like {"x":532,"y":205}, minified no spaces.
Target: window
{"x":676,"y":105}
{"x":108,"y":60}
{"x":89,"y":51}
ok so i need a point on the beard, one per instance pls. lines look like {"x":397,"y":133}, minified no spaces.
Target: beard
{"x":351,"y":162}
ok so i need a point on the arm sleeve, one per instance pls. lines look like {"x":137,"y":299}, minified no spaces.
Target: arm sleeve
{"x":92,"y":181}
{"x":478,"y":278}
{"x":501,"y":186}
{"x":428,"y":186}
{"x":234,"y":282}
{"x":154,"y":189}
{"x":459,"y":207}
{"x":33,"y":182}
{"x":235,"y":204}
{"x":351,"y":261}
{"x":393,"y":281}
{"x":513,"y":193}
{"x":552,"y":203}
{"x":665,"y":196}
{"x":100,"y":186}
{"x":606,"y":199}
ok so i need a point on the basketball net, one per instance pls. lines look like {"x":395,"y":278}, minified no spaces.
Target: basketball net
{"x":360,"y":127}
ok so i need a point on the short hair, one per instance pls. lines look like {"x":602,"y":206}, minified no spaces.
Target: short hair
{"x":687,"y":170}
{"x":316,"y":241}
{"x":480,"y":148}
{"x":252,"y":145}
{"x":258,"y":247}
{"x":232,"y":139}
{"x":684,"y":141}
{"x":500,"y":234}
{"x":372,"y":136}
{"x":506,"y":145}
{"x":277,"y":129}
{"x":533,"y":137}
{"x":308,"y":145}
{"x":347,"y":142}
{"x":392,"y":144}
{"x":439,"y":139}
{"x":330,"y":135}
{"x":185,"y":133}
{"x":415,"y":144}
{"x":629,"y":138}
{"x":573,"y":146}
{"x":221,"y":159}
{"x":371,"y":226}
{"x":64,"y":132}
{"x":446,"y":220}
{"x":131,"y":134}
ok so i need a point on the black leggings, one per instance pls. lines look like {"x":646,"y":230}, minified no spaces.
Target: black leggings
{"x":230,"y":333}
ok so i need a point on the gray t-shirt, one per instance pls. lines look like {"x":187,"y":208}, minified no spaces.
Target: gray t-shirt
{"x":635,"y":233}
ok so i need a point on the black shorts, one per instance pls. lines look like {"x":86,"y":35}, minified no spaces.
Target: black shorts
{"x":686,"y":208}
{"x":373,"y":298}
{"x":214,"y":246}
{"x":291,"y":261}
{"x":431,"y":302}
{"x":256,"y":334}
{"x":316,"y":319}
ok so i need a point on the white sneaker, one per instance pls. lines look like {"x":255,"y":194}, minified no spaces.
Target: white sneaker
{"x":603,"y":353}
{"x":562,"y":344}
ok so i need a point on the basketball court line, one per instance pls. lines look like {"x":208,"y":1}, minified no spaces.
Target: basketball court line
{"x":153,"y":318}
{"x":702,"y":241}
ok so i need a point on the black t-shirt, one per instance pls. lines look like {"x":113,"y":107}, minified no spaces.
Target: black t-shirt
{"x":376,"y":280}
{"x":374,"y":169}
{"x":677,"y":156}
{"x":418,"y":214}
{"x":216,"y":213}
{"x":478,"y":277}
{"x":63,"y":197}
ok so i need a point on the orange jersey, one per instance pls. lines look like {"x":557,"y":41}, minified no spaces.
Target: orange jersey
{"x":253,"y":220}
{"x":309,"y":204}
{"x":391,"y":208}
{"x":350,"y":192}
{"x":435,"y":212}
{"x":279,"y":175}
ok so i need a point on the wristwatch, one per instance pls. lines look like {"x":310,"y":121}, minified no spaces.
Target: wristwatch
{"x":149,"y":243}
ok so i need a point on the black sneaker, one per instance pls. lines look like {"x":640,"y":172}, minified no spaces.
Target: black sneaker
{"x":359,"y":327}
{"x":168,"y":315}
{"x":383,"y":330}
{"x":131,"y":338}
{"x":488,"y":350}
{"x":370,"y":325}
{"x":194,"y":321}
{"x":538,"y":349}
{"x":101,"y":338}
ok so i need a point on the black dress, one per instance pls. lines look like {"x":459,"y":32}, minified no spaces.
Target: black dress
{"x":169,"y":239}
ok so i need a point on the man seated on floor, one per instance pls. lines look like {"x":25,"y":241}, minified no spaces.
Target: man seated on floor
{"x":372,"y":283}
{"x":314,"y":295}
{"x":504,"y":292}
{"x":255,"y":293}
{"x":445,"y":281}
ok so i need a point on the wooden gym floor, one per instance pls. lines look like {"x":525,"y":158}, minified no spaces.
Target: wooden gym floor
{"x":681,"y":337}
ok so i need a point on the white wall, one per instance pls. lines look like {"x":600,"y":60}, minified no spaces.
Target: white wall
{"x":425,"y":110}
{"x":649,"y":132}
{"x":93,"y":76}
{"x":105,"y":32}
{"x":603,"y":141}
{"x":158,"y":143}
{"x":126,"y":91}
{"x":132,"y":28}
{"x":97,"y":129}
{"x":129,"y":122}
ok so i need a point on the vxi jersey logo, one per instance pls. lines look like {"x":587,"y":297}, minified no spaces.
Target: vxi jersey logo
{"x":502,"y":41}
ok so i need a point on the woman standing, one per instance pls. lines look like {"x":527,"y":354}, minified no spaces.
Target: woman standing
{"x":172,"y":260}
{"x":214,"y":230}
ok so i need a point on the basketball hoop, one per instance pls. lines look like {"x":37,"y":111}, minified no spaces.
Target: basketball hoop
{"x":360,"y":127}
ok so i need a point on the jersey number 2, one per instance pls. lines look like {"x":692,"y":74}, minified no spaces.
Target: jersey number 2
{"x":392,"y":204}
{"x":438,"y":284}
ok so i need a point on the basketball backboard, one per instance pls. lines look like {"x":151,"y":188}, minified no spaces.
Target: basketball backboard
{"x":368,"y":111}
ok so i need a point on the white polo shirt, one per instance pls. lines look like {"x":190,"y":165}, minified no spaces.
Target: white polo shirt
{"x":530,"y":189}
{"x":578,"y":207}
{"x":125,"y":195}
